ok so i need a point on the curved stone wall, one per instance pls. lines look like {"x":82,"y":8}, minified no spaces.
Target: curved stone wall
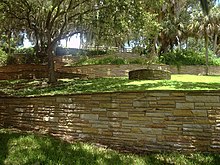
{"x":149,"y":74}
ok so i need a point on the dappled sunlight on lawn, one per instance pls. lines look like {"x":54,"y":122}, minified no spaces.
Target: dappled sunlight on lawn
{"x":72,"y":86}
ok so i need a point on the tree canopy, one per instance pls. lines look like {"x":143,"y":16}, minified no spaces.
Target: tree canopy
{"x":157,"y":25}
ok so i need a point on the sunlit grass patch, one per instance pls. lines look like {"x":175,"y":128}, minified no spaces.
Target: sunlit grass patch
{"x":194,"y":78}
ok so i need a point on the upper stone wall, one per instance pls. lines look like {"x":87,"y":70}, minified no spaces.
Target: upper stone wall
{"x":97,"y":71}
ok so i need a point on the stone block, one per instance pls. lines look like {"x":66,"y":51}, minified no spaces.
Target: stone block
{"x":89,"y":116}
{"x":200,"y":113}
{"x":139,"y":104}
{"x":72,"y":115}
{"x":20,"y":110}
{"x":199,"y":104}
{"x":114,"y":124}
{"x":63,"y":100}
{"x":129,"y":124}
{"x":109,"y":105}
{"x":140,"y":118}
{"x":100,"y":125}
{"x":183,"y":113}
{"x":206,"y":99}
{"x":155,"y":114}
{"x":90,"y":130}
{"x":212,"y":105}
{"x":178,"y":94}
{"x":98,"y":109}
{"x":184,"y":105}
{"x":152,"y":131}
{"x":51,"y":119}
{"x":117,"y":114}
{"x":159,"y":94}
{"x":136,"y":114}
{"x":135,"y":130}
{"x":166,"y":102}
{"x":68,"y":106}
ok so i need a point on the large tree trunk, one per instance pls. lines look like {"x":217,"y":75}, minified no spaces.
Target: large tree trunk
{"x":153,"y":52}
{"x":215,"y":43}
{"x":9,"y":43}
{"x":51,"y":69}
{"x":206,"y":52}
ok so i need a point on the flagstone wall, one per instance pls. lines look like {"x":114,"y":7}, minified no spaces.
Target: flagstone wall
{"x":144,"y":121}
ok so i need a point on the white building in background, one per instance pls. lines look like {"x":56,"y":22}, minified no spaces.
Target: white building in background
{"x":72,"y":42}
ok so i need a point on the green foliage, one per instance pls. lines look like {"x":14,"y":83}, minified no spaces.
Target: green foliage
{"x":25,"y":50}
{"x":188,"y":57}
{"x":11,"y":60}
{"x":114,"y":60}
{"x":95,"y":52}
{"x":23,"y":56}
{"x":137,"y":49}
{"x":142,"y":61}
{"x":29,"y":55}
{"x":3,"y":57}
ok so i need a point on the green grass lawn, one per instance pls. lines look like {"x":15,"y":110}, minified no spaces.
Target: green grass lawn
{"x":19,"y":148}
{"x":68,"y":86}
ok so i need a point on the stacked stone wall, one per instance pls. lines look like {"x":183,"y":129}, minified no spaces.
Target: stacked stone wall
{"x":96,"y":71}
{"x":144,"y":121}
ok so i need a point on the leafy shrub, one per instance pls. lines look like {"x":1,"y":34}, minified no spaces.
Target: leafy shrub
{"x":95,"y":52}
{"x":3,"y":57}
{"x":215,"y":61}
{"x":138,"y":49}
{"x":188,"y":57}
{"x":11,"y":60}
{"x":85,"y":60}
{"x":111,"y":60}
{"x":25,"y":50}
{"x":141,"y":61}
{"x":29,"y":55}
{"x":114,"y":60}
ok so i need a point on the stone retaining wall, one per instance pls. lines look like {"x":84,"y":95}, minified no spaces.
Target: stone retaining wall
{"x":23,"y":71}
{"x":32,"y":71}
{"x":96,"y":71}
{"x":143,"y":121}
{"x":195,"y":70}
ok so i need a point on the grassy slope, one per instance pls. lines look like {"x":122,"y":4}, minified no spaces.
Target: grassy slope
{"x":23,"y":149}
{"x":39,"y":87}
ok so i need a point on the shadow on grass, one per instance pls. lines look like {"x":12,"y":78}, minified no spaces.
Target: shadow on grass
{"x":25,"y":149}
{"x":100,"y":85}
{"x":5,"y":137}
